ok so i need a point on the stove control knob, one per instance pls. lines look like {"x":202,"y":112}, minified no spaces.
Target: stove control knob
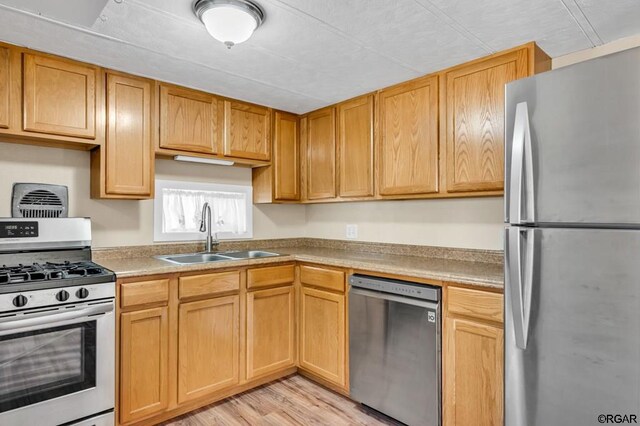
{"x":19,"y":301}
{"x":62,"y":295}
{"x":82,"y":293}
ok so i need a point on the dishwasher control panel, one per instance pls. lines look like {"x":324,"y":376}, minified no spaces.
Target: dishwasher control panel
{"x":399,"y":287}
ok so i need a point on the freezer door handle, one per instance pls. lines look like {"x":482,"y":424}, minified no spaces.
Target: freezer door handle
{"x":520,"y":251}
{"x":521,"y":179}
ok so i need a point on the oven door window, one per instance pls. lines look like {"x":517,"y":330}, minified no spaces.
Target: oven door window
{"x":43,"y":364}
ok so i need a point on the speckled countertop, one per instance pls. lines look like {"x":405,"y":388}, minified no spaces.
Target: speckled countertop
{"x":477,"y":273}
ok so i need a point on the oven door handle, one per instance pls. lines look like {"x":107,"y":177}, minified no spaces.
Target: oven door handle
{"x":13,"y":323}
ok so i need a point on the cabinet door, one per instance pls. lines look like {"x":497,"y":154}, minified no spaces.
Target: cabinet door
{"x":408,"y":153}
{"x":286,"y":161}
{"x":208,"y":346}
{"x":355,"y":147}
{"x":5,"y":72}
{"x":474,"y":122}
{"x":188,"y":120}
{"x":321,"y":154}
{"x":473,"y":373}
{"x":128,"y":144}
{"x":247,"y":131}
{"x":144,"y":346}
{"x":270,"y":331}
{"x":59,"y":96}
{"x":322,"y":334}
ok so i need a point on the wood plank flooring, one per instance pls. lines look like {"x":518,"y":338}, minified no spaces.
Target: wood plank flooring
{"x":293,"y":400}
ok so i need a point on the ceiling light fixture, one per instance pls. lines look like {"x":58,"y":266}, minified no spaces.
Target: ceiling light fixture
{"x":229,"y":21}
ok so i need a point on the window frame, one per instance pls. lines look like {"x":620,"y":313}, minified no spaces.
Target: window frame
{"x":160,"y":184}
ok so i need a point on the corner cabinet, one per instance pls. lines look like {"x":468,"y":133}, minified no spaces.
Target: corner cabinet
{"x":247,"y":131}
{"x":473,"y":360}
{"x":280,"y":181}
{"x":190,"y":121}
{"x":473,"y":117}
{"x":408,"y":139}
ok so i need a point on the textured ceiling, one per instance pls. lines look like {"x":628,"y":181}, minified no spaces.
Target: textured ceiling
{"x":309,"y":53}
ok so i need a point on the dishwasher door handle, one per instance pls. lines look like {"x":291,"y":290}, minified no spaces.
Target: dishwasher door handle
{"x":393,"y":298}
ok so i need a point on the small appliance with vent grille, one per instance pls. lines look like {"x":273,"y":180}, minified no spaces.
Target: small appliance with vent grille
{"x":39,"y":200}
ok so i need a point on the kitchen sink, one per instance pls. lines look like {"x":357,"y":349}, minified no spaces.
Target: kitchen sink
{"x":193,"y":258}
{"x":250,"y":254}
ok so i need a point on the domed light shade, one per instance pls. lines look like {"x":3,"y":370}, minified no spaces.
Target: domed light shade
{"x":229,"y":21}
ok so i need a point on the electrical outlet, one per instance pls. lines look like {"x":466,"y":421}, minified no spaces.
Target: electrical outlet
{"x":352,"y":232}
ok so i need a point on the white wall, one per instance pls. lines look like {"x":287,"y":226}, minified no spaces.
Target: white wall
{"x":465,"y":222}
{"x":124,"y":222}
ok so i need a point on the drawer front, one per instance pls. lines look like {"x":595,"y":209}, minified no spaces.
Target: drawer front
{"x":270,"y":276}
{"x":208,"y":284}
{"x":475,"y":303}
{"x":144,"y":292}
{"x":324,"y":278}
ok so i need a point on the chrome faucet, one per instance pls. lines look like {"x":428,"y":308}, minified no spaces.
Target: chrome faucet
{"x":211,"y":244}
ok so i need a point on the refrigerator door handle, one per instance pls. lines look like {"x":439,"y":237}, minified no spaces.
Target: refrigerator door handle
{"x":521,"y":164}
{"x":520,"y":280}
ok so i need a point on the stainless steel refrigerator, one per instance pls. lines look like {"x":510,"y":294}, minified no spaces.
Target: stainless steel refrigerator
{"x":572,"y":246}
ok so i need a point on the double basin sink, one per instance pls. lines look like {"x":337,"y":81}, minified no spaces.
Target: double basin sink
{"x":194,"y":258}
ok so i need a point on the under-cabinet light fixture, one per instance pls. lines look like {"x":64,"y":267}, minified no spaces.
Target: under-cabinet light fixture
{"x":203,"y":160}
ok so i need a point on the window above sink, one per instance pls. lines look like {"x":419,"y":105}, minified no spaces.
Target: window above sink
{"x":178,"y":209}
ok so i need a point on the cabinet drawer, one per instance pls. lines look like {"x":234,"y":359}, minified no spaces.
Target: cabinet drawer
{"x":208,"y":284}
{"x":475,"y":303}
{"x":270,"y":276}
{"x":144,"y":292}
{"x":324,"y":278}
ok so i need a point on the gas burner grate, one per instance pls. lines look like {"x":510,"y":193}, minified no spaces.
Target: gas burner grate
{"x":48,"y":271}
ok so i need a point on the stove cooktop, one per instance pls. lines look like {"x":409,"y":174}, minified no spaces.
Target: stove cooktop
{"x":49,"y":275}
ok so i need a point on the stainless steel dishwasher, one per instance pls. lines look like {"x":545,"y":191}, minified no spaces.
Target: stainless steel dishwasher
{"x":394,"y":344}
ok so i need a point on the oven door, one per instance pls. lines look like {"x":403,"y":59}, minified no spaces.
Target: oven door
{"x":57,"y":365}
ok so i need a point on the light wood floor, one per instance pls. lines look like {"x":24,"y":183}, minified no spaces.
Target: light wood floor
{"x":293,"y":400}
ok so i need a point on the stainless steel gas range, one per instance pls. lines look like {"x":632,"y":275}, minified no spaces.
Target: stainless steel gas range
{"x":57,"y":325}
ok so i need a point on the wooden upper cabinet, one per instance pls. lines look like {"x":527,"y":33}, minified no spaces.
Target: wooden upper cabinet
{"x":59,"y":96}
{"x":355,"y":147}
{"x":5,"y":84}
{"x":189,"y":120}
{"x":247,"y":131}
{"x":208,"y":346}
{"x":473,"y":120}
{"x":408,"y":139}
{"x":129,"y":148}
{"x":144,"y":357}
{"x":286,"y":157}
{"x":321,"y":154}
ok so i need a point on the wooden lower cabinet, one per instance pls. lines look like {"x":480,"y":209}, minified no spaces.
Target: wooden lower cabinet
{"x":473,"y":361}
{"x":270,"y":331}
{"x":144,"y":352}
{"x":323,"y":334}
{"x":208,"y":346}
